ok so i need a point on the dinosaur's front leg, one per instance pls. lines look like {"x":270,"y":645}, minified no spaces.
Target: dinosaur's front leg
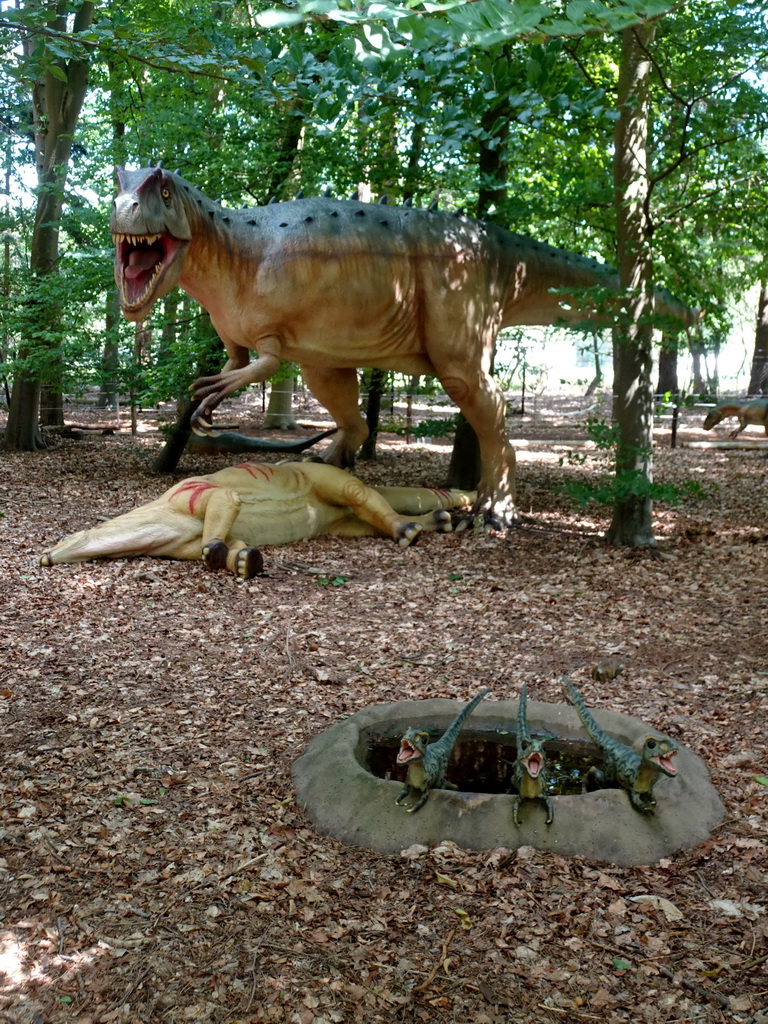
{"x":237,"y":373}
{"x":219,"y":552}
{"x":337,"y":391}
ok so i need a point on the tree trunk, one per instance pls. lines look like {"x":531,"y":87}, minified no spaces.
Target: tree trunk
{"x":633,"y":337}
{"x":376,"y":383}
{"x":56,"y":105}
{"x":178,"y":434}
{"x":668,"y":382}
{"x":465,"y":467}
{"x":758,"y":378}
{"x":280,"y":409}
{"x":110,"y":358}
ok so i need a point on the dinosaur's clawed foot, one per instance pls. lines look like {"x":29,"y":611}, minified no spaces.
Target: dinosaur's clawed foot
{"x":408,"y":534}
{"x":215,"y":555}
{"x":443,"y":521}
{"x":249,"y":563}
{"x":487,"y":516}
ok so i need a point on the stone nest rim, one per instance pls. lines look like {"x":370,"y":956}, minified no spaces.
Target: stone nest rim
{"x":346,"y":801}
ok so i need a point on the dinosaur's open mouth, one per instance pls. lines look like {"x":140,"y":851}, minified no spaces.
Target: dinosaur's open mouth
{"x":665,"y":762}
{"x":407,"y":752}
{"x":534,"y":763}
{"x":141,"y":261}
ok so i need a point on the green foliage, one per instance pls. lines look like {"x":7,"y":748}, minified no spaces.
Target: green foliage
{"x":614,"y":483}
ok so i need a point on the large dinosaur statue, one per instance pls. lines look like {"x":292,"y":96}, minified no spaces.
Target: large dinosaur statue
{"x":338,"y":284}
{"x":224,"y":517}
{"x":747,"y":411}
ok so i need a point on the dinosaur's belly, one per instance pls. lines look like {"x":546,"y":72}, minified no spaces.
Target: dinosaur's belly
{"x":284,"y":520}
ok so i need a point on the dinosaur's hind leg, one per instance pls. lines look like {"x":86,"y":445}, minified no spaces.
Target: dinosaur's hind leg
{"x":483,"y":403}
{"x":337,"y":391}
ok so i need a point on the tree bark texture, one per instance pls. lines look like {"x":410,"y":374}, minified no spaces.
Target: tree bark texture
{"x":56,"y":107}
{"x":280,"y":409}
{"x":668,"y":380}
{"x":633,"y":337}
{"x":758,"y":378}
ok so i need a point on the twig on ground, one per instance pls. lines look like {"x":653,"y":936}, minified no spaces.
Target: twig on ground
{"x":441,"y":960}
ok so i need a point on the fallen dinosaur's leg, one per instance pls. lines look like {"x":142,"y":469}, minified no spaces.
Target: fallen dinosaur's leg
{"x":219,"y":552}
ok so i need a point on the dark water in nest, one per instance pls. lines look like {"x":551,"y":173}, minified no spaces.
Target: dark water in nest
{"x":484,"y":764}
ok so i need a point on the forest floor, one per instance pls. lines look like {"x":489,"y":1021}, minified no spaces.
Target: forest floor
{"x":154,"y":866}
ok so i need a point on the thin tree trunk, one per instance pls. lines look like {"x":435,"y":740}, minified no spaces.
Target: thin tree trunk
{"x":280,"y":409}
{"x":758,"y":378}
{"x":465,"y":467}
{"x":377,"y":382}
{"x":56,"y":105}
{"x":668,"y":382}
{"x":633,"y":337}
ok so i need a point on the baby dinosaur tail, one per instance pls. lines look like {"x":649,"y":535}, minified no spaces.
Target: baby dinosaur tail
{"x":597,"y":734}
{"x":451,"y":733}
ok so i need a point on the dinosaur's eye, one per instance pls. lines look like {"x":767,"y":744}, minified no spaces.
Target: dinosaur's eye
{"x":166,"y":194}
{"x":651,"y":744}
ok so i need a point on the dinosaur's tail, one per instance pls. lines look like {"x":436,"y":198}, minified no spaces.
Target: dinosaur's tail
{"x":416,"y":501}
{"x":593,"y":729}
{"x":522,"y":715}
{"x":449,"y":736}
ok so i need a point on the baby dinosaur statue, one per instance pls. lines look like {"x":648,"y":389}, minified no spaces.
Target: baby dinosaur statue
{"x":755,"y":412}
{"x":529,"y":774}
{"x":224,"y":517}
{"x":637,"y":773}
{"x":427,"y":762}
{"x":338,"y":284}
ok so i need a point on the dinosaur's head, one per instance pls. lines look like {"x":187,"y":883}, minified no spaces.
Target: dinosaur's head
{"x":661,"y":751}
{"x":530,"y":755}
{"x":151,"y":233}
{"x":412,"y":746}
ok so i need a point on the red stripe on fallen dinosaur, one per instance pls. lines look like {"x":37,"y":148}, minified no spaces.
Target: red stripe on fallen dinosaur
{"x":225,"y":517}
{"x":335,"y":285}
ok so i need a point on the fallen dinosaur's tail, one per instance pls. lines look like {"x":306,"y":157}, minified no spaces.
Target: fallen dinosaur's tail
{"x":596,"y":733}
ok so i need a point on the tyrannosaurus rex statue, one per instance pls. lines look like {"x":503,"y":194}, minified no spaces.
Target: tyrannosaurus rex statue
{"x":338,"y":284}
{"x":225,"y":517}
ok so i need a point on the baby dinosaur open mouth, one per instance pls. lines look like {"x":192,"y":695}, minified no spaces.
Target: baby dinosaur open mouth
{"x":141,"y":261}
{"x":665,"y":762}
{"x":534,"y":763}
{"x":407,"y":752}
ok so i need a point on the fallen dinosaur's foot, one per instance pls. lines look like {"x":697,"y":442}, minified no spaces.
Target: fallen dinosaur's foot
{"x":215,"y":555}
{"x":249,"y":563}
{"x":408,"y":534}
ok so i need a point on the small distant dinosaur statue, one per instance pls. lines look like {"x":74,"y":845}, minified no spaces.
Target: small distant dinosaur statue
{"x":529,"y":774}
{"x":428,"y":762}
{"x":338,"y":284}
{"x":754,"y":411}
{"x":223,"y":518}
{"x":637,"y":773}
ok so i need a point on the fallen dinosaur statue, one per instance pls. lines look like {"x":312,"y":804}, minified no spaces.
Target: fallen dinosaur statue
{"x":636,"y":773}
{"x":225,"y":517}
{"x":755,"y":411}
{"x":338,"y":284}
